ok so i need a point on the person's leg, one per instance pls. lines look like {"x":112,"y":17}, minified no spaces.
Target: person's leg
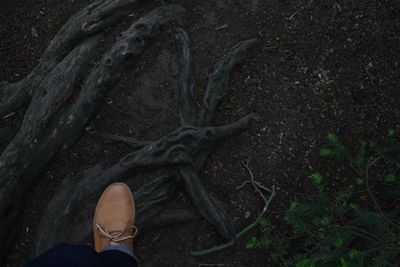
{"x":64,"y":255}
{"x":113,"y":229}
{"x":115,"y":257}
{"x":121,"y":249}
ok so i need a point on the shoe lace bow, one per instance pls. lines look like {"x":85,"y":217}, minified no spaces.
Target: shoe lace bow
{"x":115,"y":237}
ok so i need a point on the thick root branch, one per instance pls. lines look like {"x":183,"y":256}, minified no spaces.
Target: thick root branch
{"x":219,"y":79}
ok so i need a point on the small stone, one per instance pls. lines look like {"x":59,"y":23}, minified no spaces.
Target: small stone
{"x":34,"y":33}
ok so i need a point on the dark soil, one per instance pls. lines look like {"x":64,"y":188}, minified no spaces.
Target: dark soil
{"x":319,"y":67}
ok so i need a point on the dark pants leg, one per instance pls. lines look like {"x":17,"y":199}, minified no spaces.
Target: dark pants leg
{"x":64,"y":255}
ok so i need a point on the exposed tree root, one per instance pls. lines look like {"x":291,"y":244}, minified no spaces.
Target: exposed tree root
{"x":259,"y":188}
{"x":186,"y":148}
{"x":89,"y":21}
{"x":56,"y":116}
{"x":54,"y":120}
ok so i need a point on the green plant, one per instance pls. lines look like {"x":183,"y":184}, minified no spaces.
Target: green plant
{"x":357,"y":225}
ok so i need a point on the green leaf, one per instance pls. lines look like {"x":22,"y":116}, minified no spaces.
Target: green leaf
{"x":293,"y":205}
{"x":359,"y":181}
{"x":353,"y":206}
{"x":353,"y":254}
{"x":343,"y":263}
{"x":305,"y":263}
{"x":252,"y":242}
{"x":316,"y":177}
{"x":249,"y":245}
{"x":326,"y":152}
{"x":338,"y":243}
{"x":332,"y":137}
{"x":325,"y":221}
{"x":391,"y":132}
{"x":389,"y":178}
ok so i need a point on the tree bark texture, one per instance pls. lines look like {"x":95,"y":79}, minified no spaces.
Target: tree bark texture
{"x":89,"y":21}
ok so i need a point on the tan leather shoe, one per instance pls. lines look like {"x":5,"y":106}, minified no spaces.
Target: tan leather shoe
{"x":114,"y":218}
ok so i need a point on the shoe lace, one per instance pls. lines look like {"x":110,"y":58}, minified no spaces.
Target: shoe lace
{"x":116,"y":237}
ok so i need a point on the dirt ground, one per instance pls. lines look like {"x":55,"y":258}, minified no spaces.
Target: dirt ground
{"x":318,"y":67}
